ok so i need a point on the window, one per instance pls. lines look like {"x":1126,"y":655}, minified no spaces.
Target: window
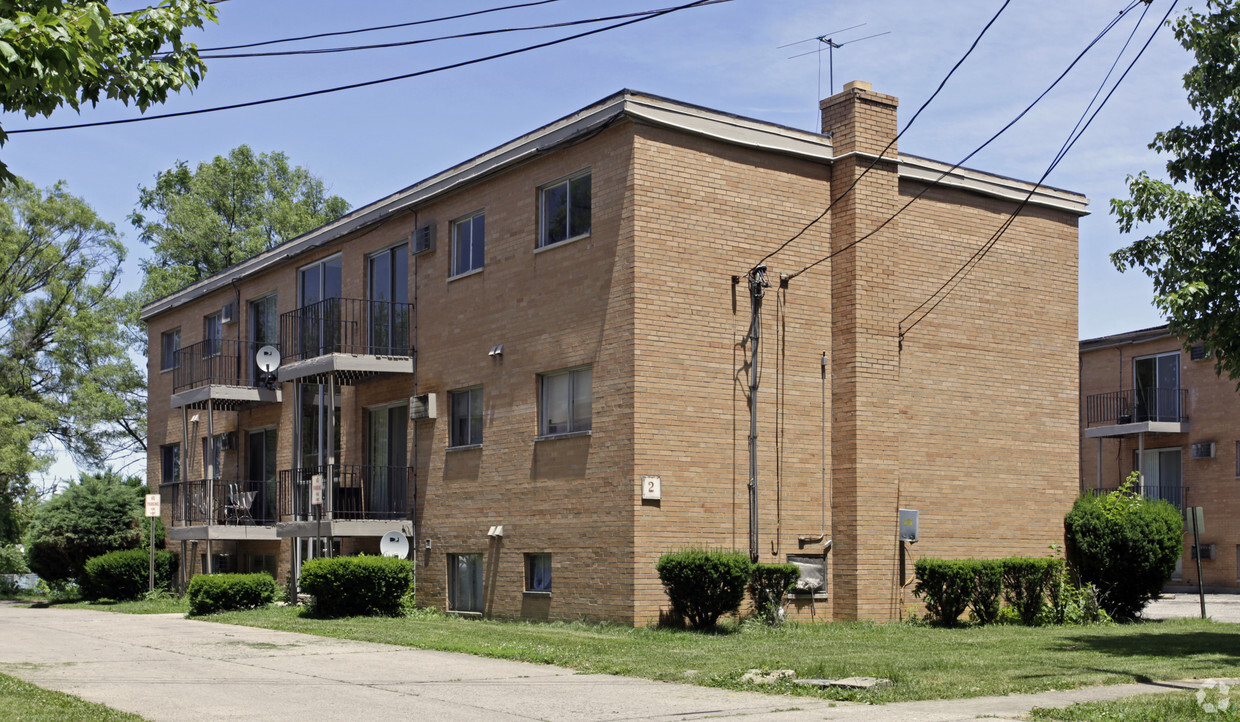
{"x":213,"y":454}
{"x":264,"y":330}
{"x":212,"y":334}
{"x":256,"y":563}
{"x":170,"y":345}
{"x":538,"y":573}
{"x":465,"y":582}
{"x":389,"y":302}
{"x":565,"y":402}
{"x":564,"y":209}
{"x":466,"y":428}
{"x":468,"y":244}
{"x":170,"y":463}
{"x":1156,"y":386}
{"x":1163,"y":475}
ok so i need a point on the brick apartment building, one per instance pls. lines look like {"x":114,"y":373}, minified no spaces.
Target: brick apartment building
{"x":1153,"y":405}
{"x":578,"y":303}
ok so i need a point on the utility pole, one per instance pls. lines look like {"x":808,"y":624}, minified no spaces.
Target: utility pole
{"x":757,"y":289}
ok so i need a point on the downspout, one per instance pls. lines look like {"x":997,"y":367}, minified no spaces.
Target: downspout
{"x":413,"y":509}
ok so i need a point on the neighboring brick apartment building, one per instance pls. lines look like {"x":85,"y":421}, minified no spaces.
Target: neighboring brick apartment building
{"x":578,"y":302}
{"x":1151,"y":404}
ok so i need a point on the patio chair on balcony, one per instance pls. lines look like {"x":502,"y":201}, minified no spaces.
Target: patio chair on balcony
{"x":240,"y":503}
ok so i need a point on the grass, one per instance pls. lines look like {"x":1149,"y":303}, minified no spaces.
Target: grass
{"x":158,"y":605}
{"x":24,"y":702}
{"x":923,"y":662}
{"x":1141,"y":708}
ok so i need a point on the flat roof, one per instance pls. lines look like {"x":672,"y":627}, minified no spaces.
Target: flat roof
{"x":1117,"y":339}
{"x":641,"y":107}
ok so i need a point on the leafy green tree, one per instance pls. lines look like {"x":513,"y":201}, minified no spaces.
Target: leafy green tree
{"x":66,"y":378}
{"x":1195,"y":261}
{"x":71,"y":52}
{"x":199,"y":222}
{"x":98,"y":514}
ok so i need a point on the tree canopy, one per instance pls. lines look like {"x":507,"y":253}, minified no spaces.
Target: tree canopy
{"x":66,"y":377}
{"x":97,"y":514}
{"x":1195,"y":260}
{"x":71,"y":52}
{"x":202,"y":221}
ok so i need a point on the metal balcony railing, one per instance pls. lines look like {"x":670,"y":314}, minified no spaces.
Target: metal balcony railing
{"x":346,"y":325}
{"x":1173,"y":494}
{"x":226,"y":362}
{"x":350,"y":491}
{"x":1136,"y":406}
{"x":228,"y":502}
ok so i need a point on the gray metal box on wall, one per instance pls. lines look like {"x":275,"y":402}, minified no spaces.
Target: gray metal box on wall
{"x":908,"y":525}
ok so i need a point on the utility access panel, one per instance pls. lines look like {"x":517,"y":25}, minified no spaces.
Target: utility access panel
{"x":908,"y":525}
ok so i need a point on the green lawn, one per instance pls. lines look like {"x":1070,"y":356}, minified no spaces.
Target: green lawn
{"x":923,"y":662}
{"x":1141,"y":708}
{"x":24,"y":702}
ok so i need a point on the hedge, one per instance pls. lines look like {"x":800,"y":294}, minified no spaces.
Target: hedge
{"x":357,"y":586}
{"x":703,"y":585}
{"x":1027,"y":581}
{"x":768,"y":583}
{"x":124,"y":575}
{"x":210,"y":593}
{"x":946,"y":585}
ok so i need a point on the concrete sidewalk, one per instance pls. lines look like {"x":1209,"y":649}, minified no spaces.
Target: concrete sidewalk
{"x":165,"y":667}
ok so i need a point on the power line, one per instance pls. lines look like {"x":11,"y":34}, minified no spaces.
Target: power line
{"x":932,"y":184}
{"x":376,"y":28}
{"x":1073,"y":137}
{"x":367,"y":83}
{"x":881,"y":153}
{"x":419,"y":41}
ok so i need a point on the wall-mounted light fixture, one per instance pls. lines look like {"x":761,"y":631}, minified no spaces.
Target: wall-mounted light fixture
{"x":496,"y":351}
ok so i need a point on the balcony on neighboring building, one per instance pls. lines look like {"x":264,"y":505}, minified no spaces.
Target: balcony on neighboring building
{"x":222,"y":371}
{"x":220,"y":509}
{"x":358,"y":500}
{"x":1136,"y":411}
{"x":347,"y":339}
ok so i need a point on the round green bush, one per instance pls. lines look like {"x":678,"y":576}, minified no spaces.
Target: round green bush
{"x":357,"y":586}
{"x":703,"y":585}
{"x":1124,"y":545}
{"x":210,"y":593}
{"x":125,"y":575}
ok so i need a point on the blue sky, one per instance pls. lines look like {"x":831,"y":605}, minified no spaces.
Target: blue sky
{"x":365,"y":143}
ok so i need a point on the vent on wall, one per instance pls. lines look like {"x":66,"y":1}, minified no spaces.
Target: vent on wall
{"x":1203,"y":450}
{"x":423,"y":239}
{"x":1207,"y":551}
{"x":423,"y":407}
{"x":1197,"y":353}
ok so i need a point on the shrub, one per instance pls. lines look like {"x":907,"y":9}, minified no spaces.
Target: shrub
{"x":703,"y":585}
{"x":946,"y":585}
{"x":210,"y":593}
{"x":97,"y":514}
{"x":357,"y":586}
{"x":986,"y":591}
{"x":12,"y":560}
{"x":768,"y":583}
{"x":1125,"y":546}
{"x":125,"y":575}
{"x":1026,"y":583}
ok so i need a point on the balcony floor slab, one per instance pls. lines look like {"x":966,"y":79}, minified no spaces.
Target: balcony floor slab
{"x":1143,"y":427}
{"x":343,"y":527}
{"x":224,"y":532}
{"x":226,"y":397}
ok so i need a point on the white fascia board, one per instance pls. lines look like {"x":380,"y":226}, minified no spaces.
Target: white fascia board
{"x":989,"y":184}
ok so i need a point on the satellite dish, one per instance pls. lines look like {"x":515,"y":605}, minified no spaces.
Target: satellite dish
{"x":394,"y":544}
{"x":268,"y":359}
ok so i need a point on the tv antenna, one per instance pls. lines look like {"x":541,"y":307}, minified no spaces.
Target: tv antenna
{"x":831,"y":44}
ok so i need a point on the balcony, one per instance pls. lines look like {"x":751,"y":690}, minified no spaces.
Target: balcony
{"x":222,"y":371}
{"x":1136,"y":411}
{"x":220,"y":509}
{"x":1175,"y":495}
{"x":357,"y":500}
{"x":348,"y":339}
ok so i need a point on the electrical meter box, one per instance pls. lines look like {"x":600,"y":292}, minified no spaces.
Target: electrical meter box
{"x":908,"y":525}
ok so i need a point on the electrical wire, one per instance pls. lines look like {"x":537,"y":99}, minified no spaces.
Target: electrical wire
{"x":421,"y":41}
{"x":375,"y":28}
{"x":1073,"y":137}
{"x":881,"y":153}
{"x":934,"y":183}
{"x":367,"y":83}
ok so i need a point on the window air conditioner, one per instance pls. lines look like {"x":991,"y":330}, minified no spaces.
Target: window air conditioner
{"x":1197,"y":353}
{"x":228,"y":314}
{"x":423,"y":407}
{"x":1203,"y":450}
{"x":1207,"y":552}
{"x":423,"y":239}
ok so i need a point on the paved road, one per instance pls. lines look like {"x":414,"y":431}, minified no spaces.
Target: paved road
{"x":1219,"y":607}
{"x":165,"y":667}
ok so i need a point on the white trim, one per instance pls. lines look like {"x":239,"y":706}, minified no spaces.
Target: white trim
{"x":988,"y":184}
{"x":466,"y":274}
{"x":561,"y":244}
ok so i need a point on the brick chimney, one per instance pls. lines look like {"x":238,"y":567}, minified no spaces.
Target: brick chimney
{"x":859,"y":119}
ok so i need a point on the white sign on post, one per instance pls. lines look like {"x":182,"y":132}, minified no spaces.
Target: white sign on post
{"x":316,"y":489}
{"x":152,"y":504}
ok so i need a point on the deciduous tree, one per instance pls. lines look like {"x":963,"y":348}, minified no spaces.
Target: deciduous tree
{"x":97,"y":514}
{"x":72,"y":52}
{"x":199,"y":222}
{"x":1195,"y":260}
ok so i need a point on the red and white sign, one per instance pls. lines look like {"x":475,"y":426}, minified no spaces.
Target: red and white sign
{"x":316,"y":489}
{"x":152,"y":504}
